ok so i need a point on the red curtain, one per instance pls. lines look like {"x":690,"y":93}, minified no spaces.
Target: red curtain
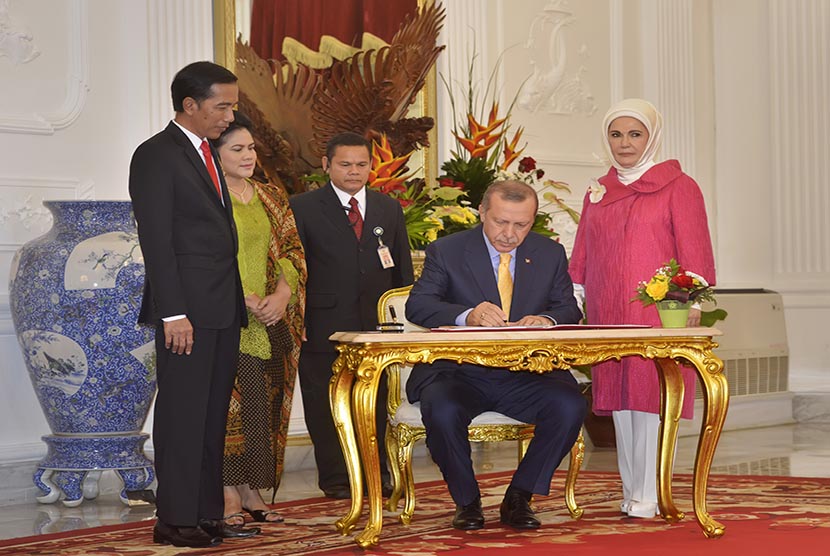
{"x":308,"y":20}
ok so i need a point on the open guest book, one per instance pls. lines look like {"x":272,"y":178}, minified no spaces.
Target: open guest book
{"x":512,"y":327}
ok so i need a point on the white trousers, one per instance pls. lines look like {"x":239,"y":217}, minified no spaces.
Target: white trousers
{"x":636,"y":433}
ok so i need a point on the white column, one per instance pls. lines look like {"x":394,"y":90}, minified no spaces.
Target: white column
{"x":668,"y":74}
{"x":799,"y":73}
{"x":465,"y":34}
{"x":179,"y":32}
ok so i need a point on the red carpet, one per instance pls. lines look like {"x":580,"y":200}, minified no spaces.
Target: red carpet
{"x":762,"y":515}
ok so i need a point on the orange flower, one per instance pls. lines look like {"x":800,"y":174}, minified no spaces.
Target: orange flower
{"x":510,"y":152}
{"x":387,"y":171}
{"x":481,"y":138}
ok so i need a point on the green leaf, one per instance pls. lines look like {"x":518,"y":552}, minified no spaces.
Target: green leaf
{"x":446,"y":193}
{"x":709,"y":318}
{"x":474,"y":173}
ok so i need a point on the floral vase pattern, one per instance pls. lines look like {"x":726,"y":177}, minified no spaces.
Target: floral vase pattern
{"x":75,"y":295}
{"x":673,"y":314}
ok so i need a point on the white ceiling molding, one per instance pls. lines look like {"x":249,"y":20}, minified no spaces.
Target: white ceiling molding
{"x":77,"y":85}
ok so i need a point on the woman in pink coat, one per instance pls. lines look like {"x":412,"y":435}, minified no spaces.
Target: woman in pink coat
{"x":634,"y":219}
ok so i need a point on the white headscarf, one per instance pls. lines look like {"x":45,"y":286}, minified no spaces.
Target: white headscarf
{"x":645,"y":113}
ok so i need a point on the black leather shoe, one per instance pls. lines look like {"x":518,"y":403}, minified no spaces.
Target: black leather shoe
{"x":338,"y":492}
{"x":515,"y":511}
{"x":190,"y":537}
{"x":386,"y":489}
{"x":469,"y":517}
{"x":218,"y":528}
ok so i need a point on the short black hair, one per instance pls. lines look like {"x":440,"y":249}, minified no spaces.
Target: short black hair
{"x":346,"y":139}
{"x":195,"y":81}
{"x":240,"y":121}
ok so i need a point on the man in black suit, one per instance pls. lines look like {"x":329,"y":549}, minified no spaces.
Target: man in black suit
{"x":496,"y":274}
{"x":193,"y":295}
{"x":356,"y":248}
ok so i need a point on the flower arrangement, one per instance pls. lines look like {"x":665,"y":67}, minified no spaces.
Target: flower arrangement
{"x":484,"y":153}
{"x":428,"y":212}
{"x":672,"y":282}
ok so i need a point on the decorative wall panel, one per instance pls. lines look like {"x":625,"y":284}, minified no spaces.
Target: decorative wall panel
{"x":558,"y":58}
{"x":22,"y":214}
{"x":46,"y":58}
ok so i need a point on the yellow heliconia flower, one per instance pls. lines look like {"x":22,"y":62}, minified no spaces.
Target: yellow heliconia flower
{"x":510,"y":152}
{"x":386,"y":173}
{"x":482,"y":137}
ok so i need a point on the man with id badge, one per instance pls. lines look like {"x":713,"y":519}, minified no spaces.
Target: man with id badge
{"x":356,"y":248}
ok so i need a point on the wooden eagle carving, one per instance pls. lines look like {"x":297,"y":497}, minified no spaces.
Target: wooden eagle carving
{"x":296,"y":109}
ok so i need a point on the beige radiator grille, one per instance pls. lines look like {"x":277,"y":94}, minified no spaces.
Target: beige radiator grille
{"x":767,"y":466}
{"x":754,"y":343}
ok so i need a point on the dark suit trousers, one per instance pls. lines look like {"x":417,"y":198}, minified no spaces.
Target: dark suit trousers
{"x":449,"y":403}
{"x":315,"y":375}
{"x":189,"y":425}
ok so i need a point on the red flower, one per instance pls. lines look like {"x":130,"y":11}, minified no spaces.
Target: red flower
{"x":539,"y":174}
{"x":447,"y":181}
{"x":527,"y":164}
{"x":683,"y":281}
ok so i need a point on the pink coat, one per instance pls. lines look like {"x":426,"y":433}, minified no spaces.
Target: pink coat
{"x":622,"y":240}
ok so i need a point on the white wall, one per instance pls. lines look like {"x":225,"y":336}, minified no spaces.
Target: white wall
{"x":69,"y":123}
{"x":70,"y":119}
{"x":772,"y":143}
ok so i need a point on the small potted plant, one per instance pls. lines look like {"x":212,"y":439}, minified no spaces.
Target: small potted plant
{"x":673,"y":290}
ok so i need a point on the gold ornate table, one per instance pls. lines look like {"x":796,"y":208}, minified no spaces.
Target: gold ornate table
{"x":364,"y":356}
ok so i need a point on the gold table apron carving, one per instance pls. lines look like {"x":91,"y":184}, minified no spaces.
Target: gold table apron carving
{"x":364,"y":355}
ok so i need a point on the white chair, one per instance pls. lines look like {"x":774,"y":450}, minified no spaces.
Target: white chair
{"x":405,"y":425}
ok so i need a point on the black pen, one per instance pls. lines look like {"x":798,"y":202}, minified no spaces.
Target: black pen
{"x":393,"y":313}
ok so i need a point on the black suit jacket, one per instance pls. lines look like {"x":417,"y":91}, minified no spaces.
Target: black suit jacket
{"x":458,"y":275}
{"x":188,"y":238}
{"x":345,"y":277}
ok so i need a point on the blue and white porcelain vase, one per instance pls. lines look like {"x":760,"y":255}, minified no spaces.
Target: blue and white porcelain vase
{"x":75,"y":296}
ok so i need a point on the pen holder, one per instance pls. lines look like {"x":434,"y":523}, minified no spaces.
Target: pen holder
{"x":391,"y":327}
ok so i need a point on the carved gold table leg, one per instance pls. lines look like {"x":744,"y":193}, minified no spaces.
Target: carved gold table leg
{"x":364,"y":400}
{"x":715,"y":404}
{"x":671,"y":404}
{"x":392,"y":450}
{"x":340,"y":390}
{"x":577,"y":455}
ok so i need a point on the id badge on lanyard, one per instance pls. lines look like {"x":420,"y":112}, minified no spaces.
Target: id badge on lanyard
{"x":384,"y":254}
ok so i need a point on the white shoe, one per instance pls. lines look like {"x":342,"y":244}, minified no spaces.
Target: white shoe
{"x":642,"y":509}
{"x":624,"y":505}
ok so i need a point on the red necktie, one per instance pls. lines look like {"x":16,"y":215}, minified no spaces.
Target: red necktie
{"x":210,"y":167}
{"x":355,"y":220}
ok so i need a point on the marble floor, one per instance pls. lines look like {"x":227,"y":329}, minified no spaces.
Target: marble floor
{"x":790,"y":450}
